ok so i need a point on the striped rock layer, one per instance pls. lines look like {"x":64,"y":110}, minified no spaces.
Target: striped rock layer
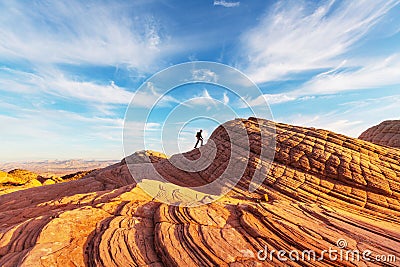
{"x":386,"y":133}
{"x":321,"y":187}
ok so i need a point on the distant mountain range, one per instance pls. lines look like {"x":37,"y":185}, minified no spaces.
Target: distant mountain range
{"x":57,"y":167}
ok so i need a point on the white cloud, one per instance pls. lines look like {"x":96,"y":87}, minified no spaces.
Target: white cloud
{"x":203,"y":99}
{"x":295,"y":37}
{"x":357,"y":117}
{"x":50,"y":134}
{"x":88,"y":91}
{"x":205,"y":75}
{"x":225,"y":3}
{"x":270,"y":99}
{"x":374,"y":74}
{"x":55,"y":83}
{"x":225,"y":98}
{"x":328,"y":121}
{"x":76,"y":33}
{"x":149,"y":95}
{"x":206,"y":94}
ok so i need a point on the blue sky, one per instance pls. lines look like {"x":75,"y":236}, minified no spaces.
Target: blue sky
{"x":68,"y":69}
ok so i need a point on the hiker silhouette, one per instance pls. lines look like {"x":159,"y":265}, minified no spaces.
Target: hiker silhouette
{"x":199,"y":138}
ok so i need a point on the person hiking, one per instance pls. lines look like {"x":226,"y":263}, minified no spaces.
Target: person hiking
{"x":199,"y":138}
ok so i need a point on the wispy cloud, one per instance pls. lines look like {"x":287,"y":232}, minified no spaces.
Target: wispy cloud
{"x":270,"y":99}
{"x":51,"y":134}
{"x":202,"y":99}
{"x":75,"y":33}
{"x":205,"y":99}
{"x":351,"y":118}
{"x":55,"y":83}
{"x":375,"y":73}
{"x":296,"y":36}
{"x":205,"y":75}
{"x":328,"y":121}
{"x":225,"y":99}
{"x":225,"y":3}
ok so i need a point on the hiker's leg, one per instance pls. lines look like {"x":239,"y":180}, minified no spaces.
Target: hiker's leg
{"x":201,"y":142}
{"x":197,"y":143}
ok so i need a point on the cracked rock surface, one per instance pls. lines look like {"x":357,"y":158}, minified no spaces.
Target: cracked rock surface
{"x":320,"y":187}
{"x":386,"y":133}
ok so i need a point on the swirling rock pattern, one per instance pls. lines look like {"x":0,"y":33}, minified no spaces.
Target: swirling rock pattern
{"x":321,"y":187}
{"x":386,"y":133}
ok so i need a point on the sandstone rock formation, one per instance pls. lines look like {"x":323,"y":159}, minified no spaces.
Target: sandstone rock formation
{"x":75,"y":175}
{"x":18,"y":179}
{"x":386,"y":133}
{"x":321,"y":187}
